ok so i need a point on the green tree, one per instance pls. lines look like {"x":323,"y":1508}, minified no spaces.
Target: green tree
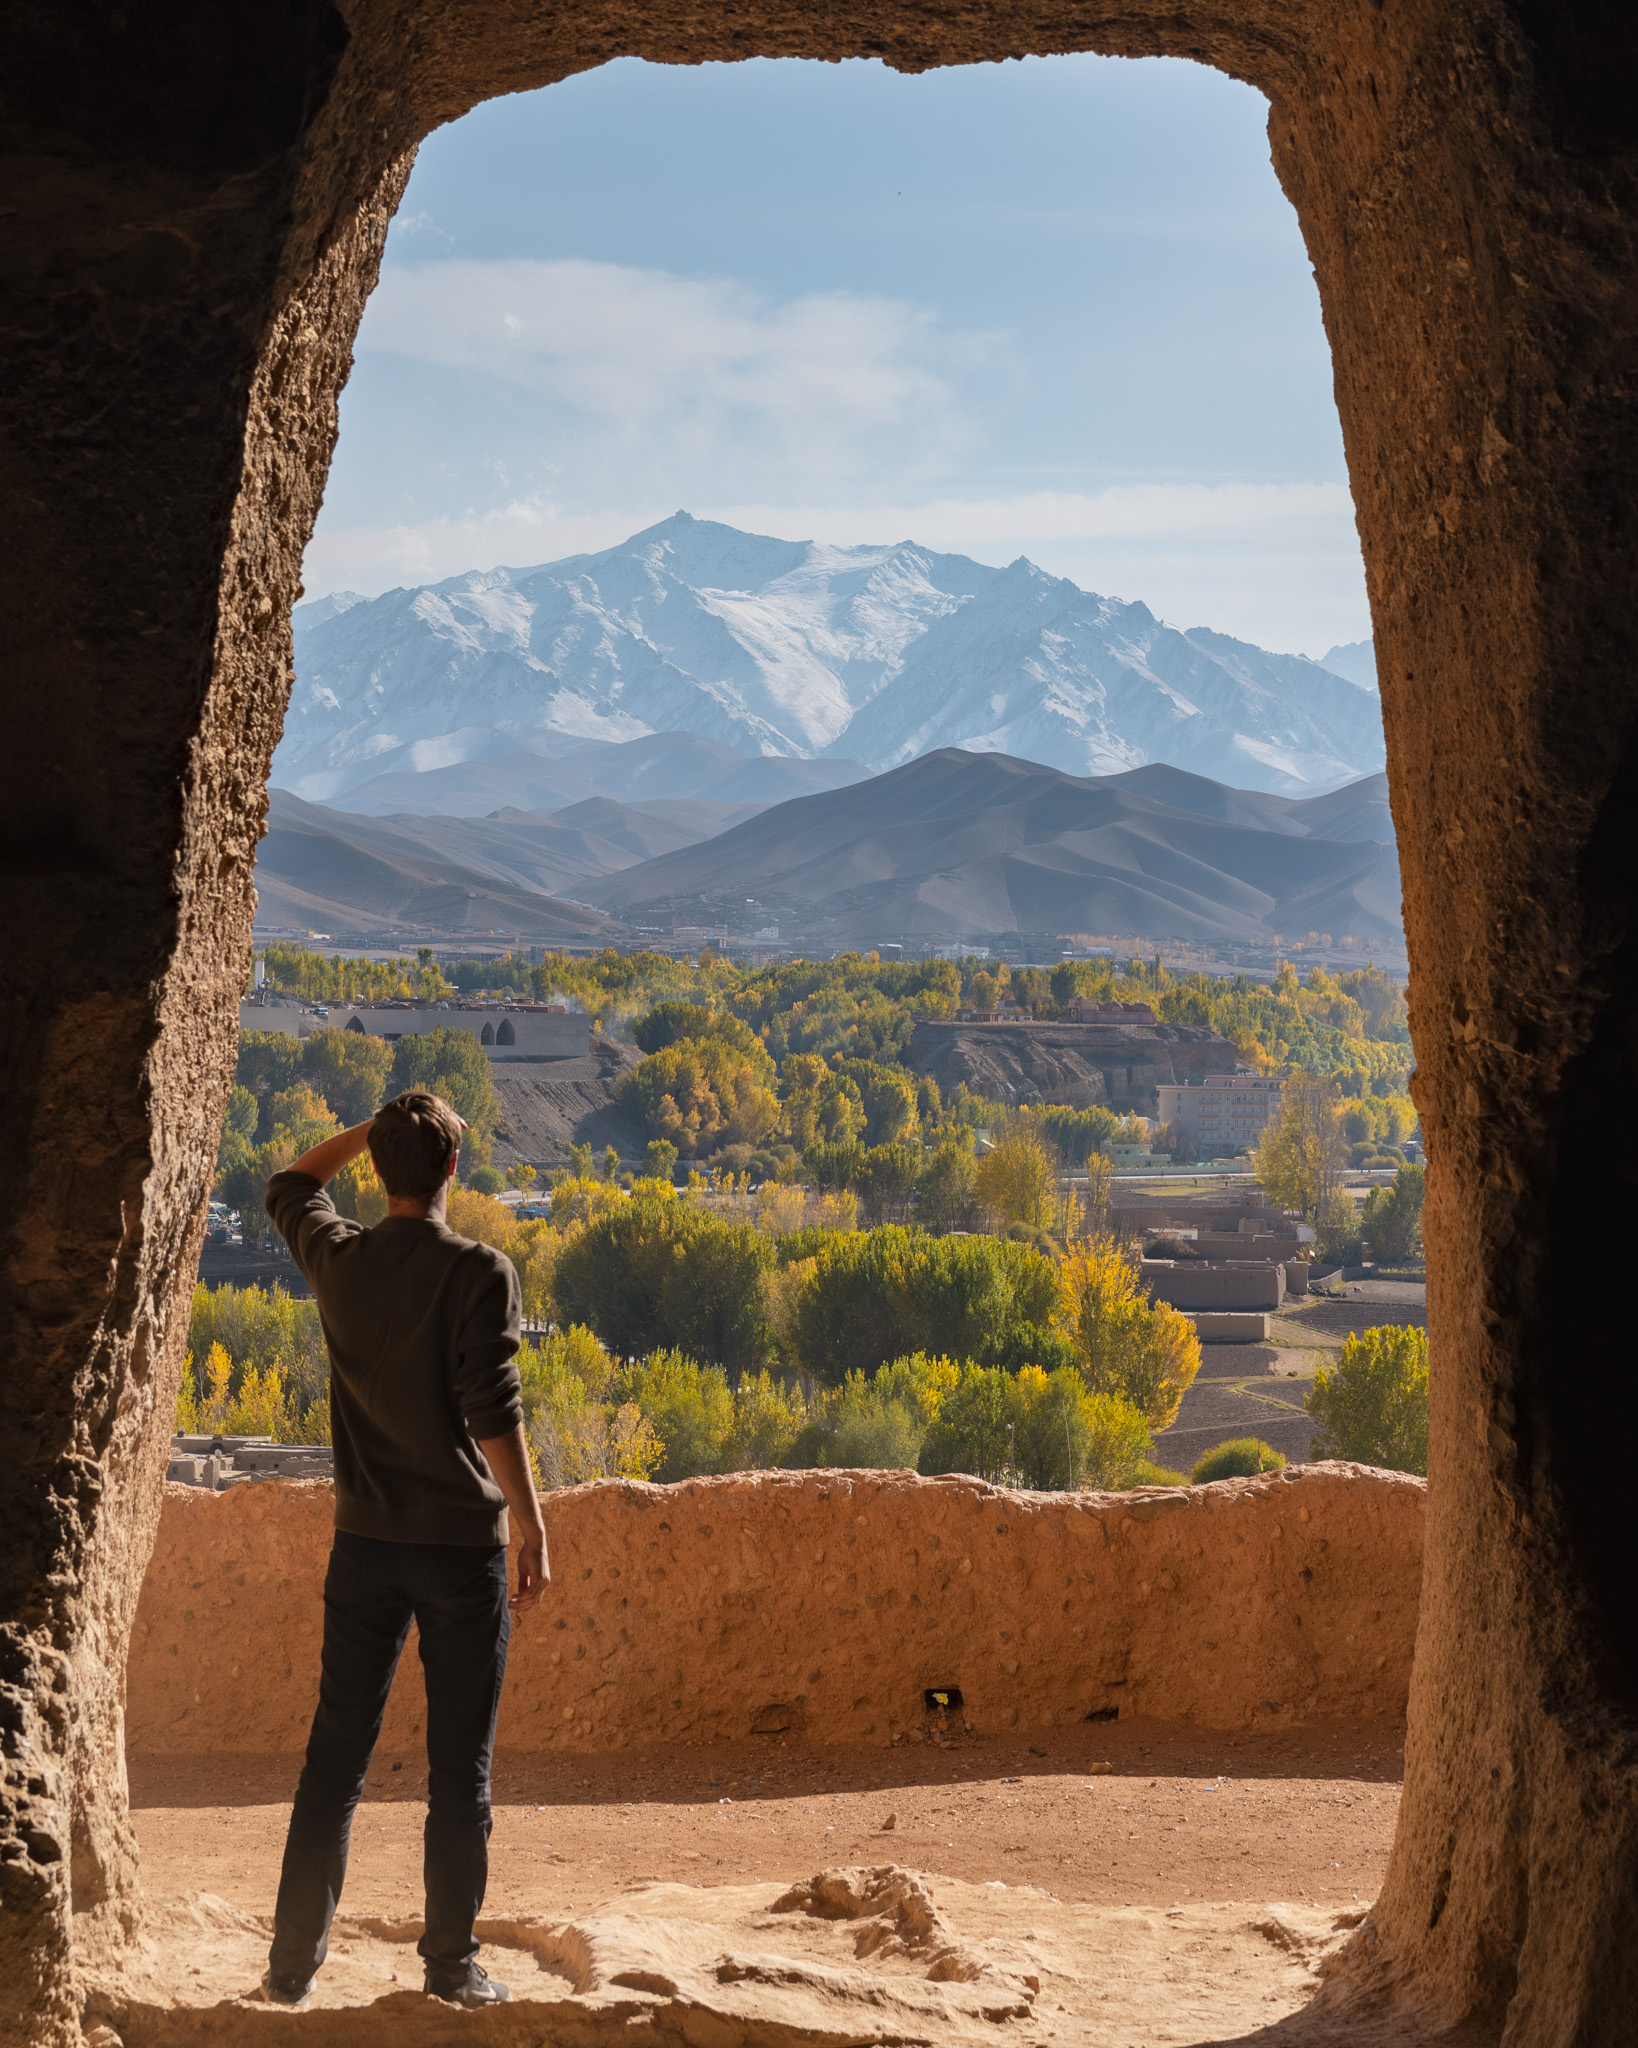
{"x":660,"y":1160}
{"x":656,"y":1273}
{"x":689,"y":1408}
{"x":269,"y":1062}
{"x":260,"y":1330}
{"x":886,"y":1179}
{"x":1076,"y":1133}
{"x":768,"y":1417}
{"x":972,"y":1430}
{"x":451,"y":1064}
{"x":1373,"y":1407}
{"x":883,"y":1294}
{"x":1392,"y":1216}
{"x":1065,"y":1437}
{"x":1337,"y":1230}
{"x":350,"y":1069}
{"x":944,"y":1194}
{"x":673,"y":1023}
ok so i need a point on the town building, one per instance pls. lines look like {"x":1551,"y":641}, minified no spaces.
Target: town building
{"x":1224,"y":1115}
{"x":508,"y":1032}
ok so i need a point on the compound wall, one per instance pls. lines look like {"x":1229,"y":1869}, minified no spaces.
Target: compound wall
{"x":828,"y":1603}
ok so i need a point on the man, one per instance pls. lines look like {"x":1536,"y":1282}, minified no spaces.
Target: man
{"x":427,"y":1420}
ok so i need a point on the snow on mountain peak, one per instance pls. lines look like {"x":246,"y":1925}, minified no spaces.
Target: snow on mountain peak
{"x":879,"y":653}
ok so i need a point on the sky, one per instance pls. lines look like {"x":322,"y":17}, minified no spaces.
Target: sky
{"x":1057,"y":308}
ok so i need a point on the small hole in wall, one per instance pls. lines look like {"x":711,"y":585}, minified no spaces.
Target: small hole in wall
{"x":1104,"y":1714}
{"x":942,"y":1699}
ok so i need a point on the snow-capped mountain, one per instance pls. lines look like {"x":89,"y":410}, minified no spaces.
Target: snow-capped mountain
{"x":877,"y":654}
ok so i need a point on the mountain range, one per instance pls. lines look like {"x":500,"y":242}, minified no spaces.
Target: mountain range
{"x":952,"y":846}
{"x":837,"y":661}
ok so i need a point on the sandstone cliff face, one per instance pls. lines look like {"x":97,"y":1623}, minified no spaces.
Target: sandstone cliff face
{"x":828,"y":1603}
{"x":1074,"y":1064}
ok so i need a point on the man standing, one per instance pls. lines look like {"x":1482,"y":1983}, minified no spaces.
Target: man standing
{"x":427,"y":1421}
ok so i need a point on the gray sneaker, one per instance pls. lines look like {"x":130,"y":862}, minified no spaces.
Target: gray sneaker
{"x":474,"y":1990}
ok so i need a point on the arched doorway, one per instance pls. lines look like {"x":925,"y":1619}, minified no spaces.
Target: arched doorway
{"x":204,"y":208}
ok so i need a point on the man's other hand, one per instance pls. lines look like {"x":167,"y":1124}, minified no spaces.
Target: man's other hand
{"x":508,"y":1458}
{"x":534,"y":1574}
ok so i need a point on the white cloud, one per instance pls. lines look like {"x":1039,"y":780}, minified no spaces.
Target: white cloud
{"x":658,"y":372}
{"x":1277,"y":564}
{"x":603,"y":398}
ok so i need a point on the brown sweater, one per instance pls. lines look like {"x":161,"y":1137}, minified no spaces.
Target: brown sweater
{"x":422,"y":1327}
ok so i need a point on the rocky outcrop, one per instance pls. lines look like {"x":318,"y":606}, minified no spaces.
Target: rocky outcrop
{"x":830,"y":1603}
{"x":1115,"y":1066}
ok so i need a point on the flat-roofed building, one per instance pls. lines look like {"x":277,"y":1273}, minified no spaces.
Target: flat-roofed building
{"x":1225,"y":1114}
{"x":509,"y":1033}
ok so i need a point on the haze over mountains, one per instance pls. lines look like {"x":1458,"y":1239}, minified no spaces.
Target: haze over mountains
{"x":950,"y":847}
{"x":838,"y":661}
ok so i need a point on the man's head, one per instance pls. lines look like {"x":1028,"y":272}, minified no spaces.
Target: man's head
{"x":414,"y":1140}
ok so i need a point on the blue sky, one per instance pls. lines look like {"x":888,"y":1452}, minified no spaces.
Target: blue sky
{"x":1057,"y":308}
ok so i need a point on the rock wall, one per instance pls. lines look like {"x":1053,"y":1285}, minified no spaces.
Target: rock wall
{"x":828,"y":1603}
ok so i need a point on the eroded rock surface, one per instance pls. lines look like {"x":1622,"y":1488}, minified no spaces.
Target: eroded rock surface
{"x":741,"y":1967}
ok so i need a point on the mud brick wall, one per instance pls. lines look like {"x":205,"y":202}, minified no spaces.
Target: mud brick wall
{"x":827,"y":1604}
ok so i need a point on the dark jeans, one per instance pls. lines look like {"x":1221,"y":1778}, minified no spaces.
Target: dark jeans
{"x":456,"y":1595}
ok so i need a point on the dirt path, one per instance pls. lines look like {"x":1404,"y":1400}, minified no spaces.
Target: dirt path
{"x":1303,"y":1815}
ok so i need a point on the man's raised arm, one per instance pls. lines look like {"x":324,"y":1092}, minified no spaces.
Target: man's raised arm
{"x":322,"y":1162}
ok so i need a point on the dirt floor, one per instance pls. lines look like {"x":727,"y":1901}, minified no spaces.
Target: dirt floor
{"x":1303,"y":1814}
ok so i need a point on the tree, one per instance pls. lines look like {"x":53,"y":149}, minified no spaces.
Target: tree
{"x":1392,"y":1216}
{"x":700,"y":1094}
{"x":451,"y":1064}
{"x":350,"y":1069}
{"x":574,"y":1431}
{"x":1337,"y":1230}
{"x":660,"y":1160}
{"x":655,"y":1273}
{"x":971,"y":1431}
{"x":1142,"y":1351}
{"x":269,"y":1061}
{"x":768,"y":1416}
{"x":1065,"y":1437}
{"x":689,"y":1408}
{"x":1373,"y":1407}
{"x":1018,"y":1177}
{"x":1076,"y":1134}
{"x":883,"y":1294}
{"x":887,"y":1176}
{"x":673,"y":1023}
{"x":357,"y":1191}
{"x":476,"y":1214}
{"x":944,"y":1194}
{"x":521,"y":1176}
{"x":1303,"y":1149}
